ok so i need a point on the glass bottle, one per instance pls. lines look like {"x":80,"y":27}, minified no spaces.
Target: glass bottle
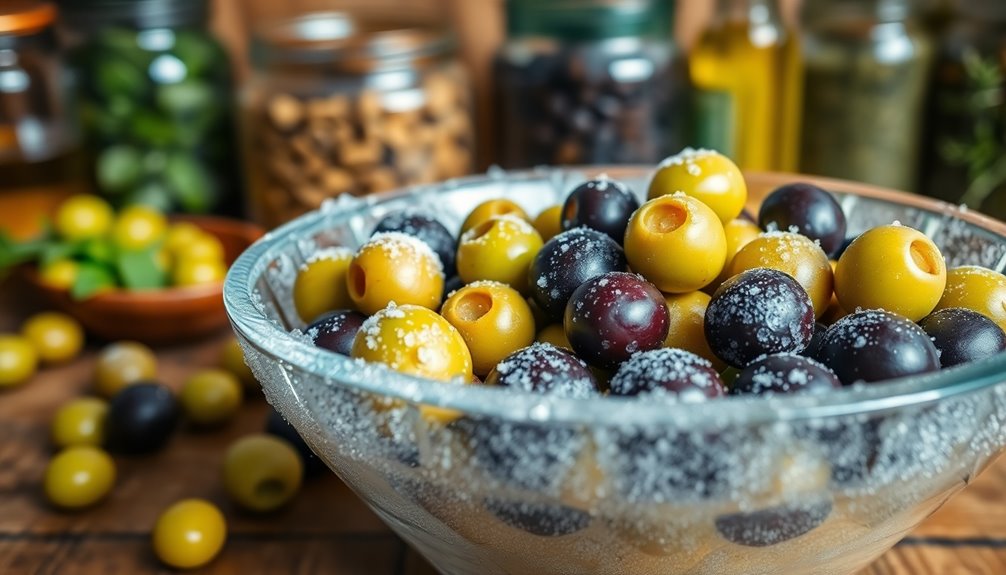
{"x":866,"y":66}
{"x":965,"y":159}
{"x":156,"y":101}
{"x":39,"y":159}
{"x":589,"y":82}
{"x":746,"y":72}
{"x":347,"y":104}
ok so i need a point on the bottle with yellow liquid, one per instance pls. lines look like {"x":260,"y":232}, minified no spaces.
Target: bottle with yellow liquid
{"x":746,"y":72}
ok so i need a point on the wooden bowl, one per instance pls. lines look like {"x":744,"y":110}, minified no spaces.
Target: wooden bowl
{"x":162,"y":316}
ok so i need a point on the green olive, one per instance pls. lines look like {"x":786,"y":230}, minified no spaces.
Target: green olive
{"x":82,"y":217}
{"x":189,"y":534}
{"x":18,"y":360}
{"x":262,"y":472}
{"x":121,"y":364}
{"x":56,"y":337}
{"x":211,"y":397}
{"x":79,"y":476}
{"x":80,"y":422}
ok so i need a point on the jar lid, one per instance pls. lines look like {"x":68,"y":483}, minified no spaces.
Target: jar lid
{"x":355,"y":44}
{"x":25,"y":16}
{"x":590,"y":19}
{"x":143,"y":14}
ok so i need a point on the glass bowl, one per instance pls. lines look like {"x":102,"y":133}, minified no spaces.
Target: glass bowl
{"x":522,"y":483}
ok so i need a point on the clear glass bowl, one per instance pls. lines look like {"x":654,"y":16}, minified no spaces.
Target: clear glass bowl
{"x":528,"y":484}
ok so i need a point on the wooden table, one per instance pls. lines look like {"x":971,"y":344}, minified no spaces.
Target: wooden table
{"x":327,"y":529}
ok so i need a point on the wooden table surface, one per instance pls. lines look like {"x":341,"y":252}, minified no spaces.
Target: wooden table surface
{"x":326,"y":529}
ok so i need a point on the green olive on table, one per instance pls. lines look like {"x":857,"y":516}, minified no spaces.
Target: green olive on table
{"x":18,"y":360}
{"x":121,"y":364}
{"x":78,"y":477}
{"x":262,"y":472}
{"x":56,"y":337}
{"x":189,"y":534}
{"x":80,"y":421}
{"x":210,"y":397}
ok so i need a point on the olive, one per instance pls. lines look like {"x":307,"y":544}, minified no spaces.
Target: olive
{"x":668,"y":372}
{"x":138,"y":227}
{"x":772,"y":526}
{"x":321,"y":284}
{"x":603,"y":205}
{"x":539,"y":519}
{"x":82,"y":217}
{"x":189,"y":534}
{"x":80,"y":422}
{"x":141,"y":418}
{"x":426,"y":228}
{"x":56,"y":337}
{"x":121,"y":364}
{"x":812,"y":211}
{"x":962,"y":335}
{"x":262,"y":472}
{"x":784,"y":373}
{"x":79,"y":476}
{"x":18,"y":360}
{"x":336,"y":330}
{"x":544,"y":368}
{"x":210,"y":397}
{"x":280,"y":427}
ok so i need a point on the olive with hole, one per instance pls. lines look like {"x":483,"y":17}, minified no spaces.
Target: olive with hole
{"x":262,"y":472}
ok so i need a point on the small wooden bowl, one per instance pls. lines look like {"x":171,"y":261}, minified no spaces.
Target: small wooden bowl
{"x":157,"y":317}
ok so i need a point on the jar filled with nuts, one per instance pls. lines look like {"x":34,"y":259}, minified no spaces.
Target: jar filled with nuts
{"x":346,"y":104}
{"x":588,"y":82}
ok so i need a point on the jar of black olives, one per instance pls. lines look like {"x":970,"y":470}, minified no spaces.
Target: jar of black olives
{"x":354,"y":104}
{"x":39,"y":163}
{"x":156,"y":102}
{"x":588,"y":82}
{"x":965,"y":156}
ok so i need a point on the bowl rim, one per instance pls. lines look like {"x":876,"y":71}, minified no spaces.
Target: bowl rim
{"x":269,"y":338}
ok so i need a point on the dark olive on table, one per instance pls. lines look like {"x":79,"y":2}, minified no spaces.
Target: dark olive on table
{"x":610,"y":317}
{"x":276,"y":425}
{"x":141,"y":418}
{"x":568,"y":260}
{"x":757,"y":312}
{"x":814,"y":212}
{"x":428,"y":229}
{"x":784,"y":373}
{"x":336,"y":330}
{"x":603,"y":205}
{"x":670,"y":372}
{"x":963,"y":335}
{"x":875,"y":345}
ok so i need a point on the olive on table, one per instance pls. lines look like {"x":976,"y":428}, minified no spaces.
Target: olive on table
{"x":892,"y":267}
{"x":210,"y":397}
{"x":18,"y":360}
{"x":80,"y":421}
{"x":141,"y":418}
{"x":189,"y":534}
{"x":493,"y":319}
{"x":82,"y":217}
{"x":677,"y":243}
{"x":321,"y":284}
{"x":232,"y":359}
{"x":78,"y":477}
{"x":812,"y":211}
{"x":336,"y":330}
{"x":612,"y":316}
{"x":601,"y":204}
{"x":757,"y":312}
{"x":56,"y":337}
{"x":262,"y":472}
{"x":425,"y":227}
{"x":706,"y":175}
{"x":121,"y":364}
{"x":277,"y":425}
{"x":962,"y":335}
{"x":565,"y":262}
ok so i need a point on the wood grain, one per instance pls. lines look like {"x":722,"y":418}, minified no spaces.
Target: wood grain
{"x":326,"y":530}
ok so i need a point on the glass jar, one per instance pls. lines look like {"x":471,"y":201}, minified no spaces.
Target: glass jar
{"x":965,"y":158}
{"x":156,"y":100}
{"x":866,"y":65}
{"x":39,"y":163}
{"x":588,"y":82}
{"x":351,"y":105}
{"x":746,"y":71}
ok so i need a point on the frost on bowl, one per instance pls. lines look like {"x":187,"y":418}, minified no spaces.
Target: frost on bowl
{"x":524,"y":484}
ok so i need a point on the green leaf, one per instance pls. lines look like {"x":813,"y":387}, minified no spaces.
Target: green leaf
{"x":191,"y":183}
{"x":91,"y":278}
{"x":139,"y":269}
{"x":13,"y":252}
{"x":118,"y":168}
{"x":57,"y":251}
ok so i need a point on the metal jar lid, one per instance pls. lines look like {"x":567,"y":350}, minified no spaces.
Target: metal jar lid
{"x":342,"y":42}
